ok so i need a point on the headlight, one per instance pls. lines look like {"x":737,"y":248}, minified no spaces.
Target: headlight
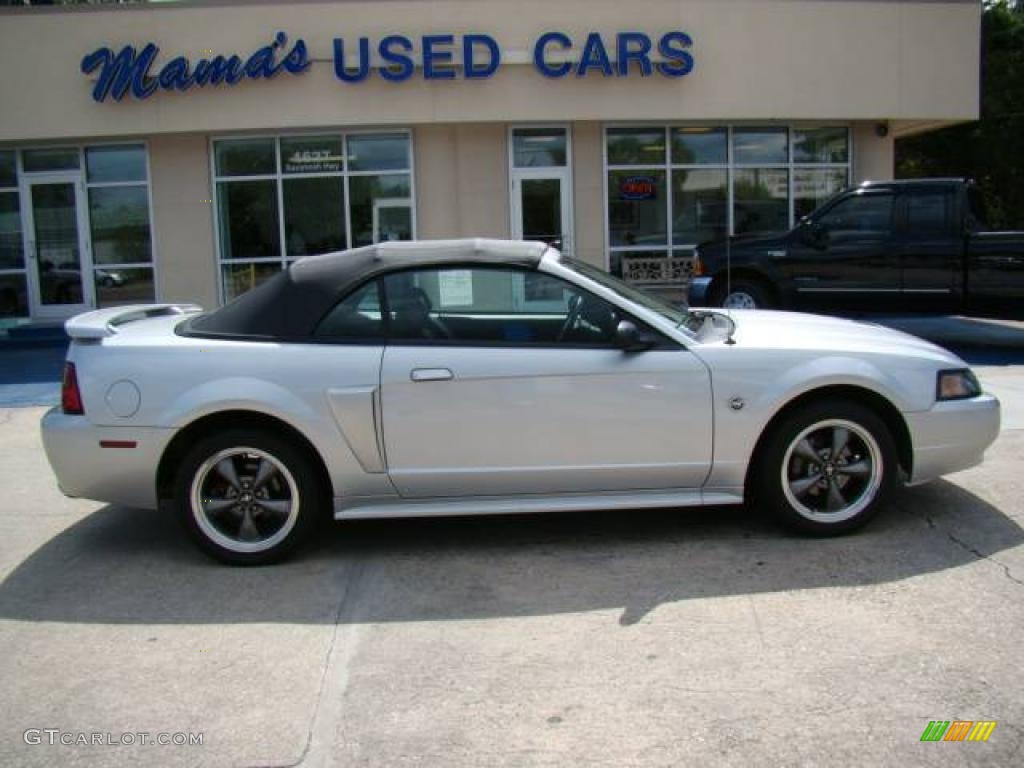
{"x":957,"y":385}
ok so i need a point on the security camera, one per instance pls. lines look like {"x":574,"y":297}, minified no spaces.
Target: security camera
{"x":881,"y":130}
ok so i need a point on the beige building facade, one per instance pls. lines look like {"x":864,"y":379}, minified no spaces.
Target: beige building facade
{"x":133,"y":169}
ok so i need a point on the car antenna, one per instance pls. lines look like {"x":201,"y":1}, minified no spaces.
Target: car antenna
{"x":729,"y":340}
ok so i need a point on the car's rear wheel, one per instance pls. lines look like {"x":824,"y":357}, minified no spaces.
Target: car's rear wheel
{"x":247,"y":497}
{"x":827,"y":468}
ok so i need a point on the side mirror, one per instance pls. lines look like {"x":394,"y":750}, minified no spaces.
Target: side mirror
{"x":629,"y":338}
{"x":815,"y":235}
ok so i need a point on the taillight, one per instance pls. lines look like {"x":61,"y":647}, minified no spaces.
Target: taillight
{"x":70,"y":397}
{"x":698,"y":265}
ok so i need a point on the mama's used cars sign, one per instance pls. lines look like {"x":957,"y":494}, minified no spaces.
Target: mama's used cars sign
{"x":394,"y":58}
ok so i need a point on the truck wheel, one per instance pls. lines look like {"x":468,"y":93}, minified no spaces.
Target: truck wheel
{"x":742,"y":294}
{"x":247,"y":496}
{"x":827,"y":468}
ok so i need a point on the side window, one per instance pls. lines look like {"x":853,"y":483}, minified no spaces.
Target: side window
{"x":858,"y":216}
{"x":928,"y":214}
{"x":494,"y":306}
{"x":356,"y":317}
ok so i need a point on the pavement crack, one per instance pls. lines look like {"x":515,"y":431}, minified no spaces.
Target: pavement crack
{"x":327,"y":711}
{"x":982,"y":556}
{"x":976,"y":552}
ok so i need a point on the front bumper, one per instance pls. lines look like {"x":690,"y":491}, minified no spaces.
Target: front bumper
{"x":84,"y":469}
{"x":951,"y":436}
{"x":697,"y":293}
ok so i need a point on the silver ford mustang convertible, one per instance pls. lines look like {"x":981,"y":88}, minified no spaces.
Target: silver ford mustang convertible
{"x":479,"y":376}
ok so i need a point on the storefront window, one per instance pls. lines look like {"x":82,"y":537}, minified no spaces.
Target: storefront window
{"x":245,"y":157}
{"x":373,"y":152}
{"x":248,"y":219}
{"x":813,"y":186}
{"x":539,"y":147}
{"x":116,"y":179}
{"x":116,"y":164}
{"x":700,"y":201}
{"x":760,"y":200}
{"x":711,"y":181}
{"x":637,"y":208}
{"x":282,"y":198}
{"x":821,"y":145}
{"x":636,"y":146}
{"x":315,"y":220}
{"x":13,"y":285}
{"x":51,"y":159}
{"x":760,"y":146}
{"x":700,"y":146}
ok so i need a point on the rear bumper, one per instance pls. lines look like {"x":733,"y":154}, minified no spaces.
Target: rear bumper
{"x":951,"y":436}
{"x":697,"y":294}
{"x":84,"y":469}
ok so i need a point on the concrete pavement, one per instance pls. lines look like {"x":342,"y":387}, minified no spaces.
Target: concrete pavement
{"x":644,"y":638}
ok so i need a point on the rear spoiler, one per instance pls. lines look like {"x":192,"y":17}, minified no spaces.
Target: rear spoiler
{"x":101,"y":323}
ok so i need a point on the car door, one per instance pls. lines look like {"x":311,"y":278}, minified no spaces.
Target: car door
{"x":846,"y":255}
{"x":504,"y":381}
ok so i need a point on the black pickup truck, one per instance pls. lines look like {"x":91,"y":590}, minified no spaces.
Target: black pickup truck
{"x":909,"y":245}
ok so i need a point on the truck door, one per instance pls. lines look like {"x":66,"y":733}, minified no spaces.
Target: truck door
{"x":930,"y":247}
{"x":845,"y":255}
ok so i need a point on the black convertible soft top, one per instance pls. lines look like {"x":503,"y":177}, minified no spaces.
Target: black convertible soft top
{"x":290,"y":304}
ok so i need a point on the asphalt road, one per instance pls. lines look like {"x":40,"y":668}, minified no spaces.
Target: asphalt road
{"x":648,"y":638}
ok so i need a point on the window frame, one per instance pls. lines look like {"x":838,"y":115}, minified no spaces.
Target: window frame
{"x":23,"y":179}
{"x":387,"y":340}
{"x":279,"y":177}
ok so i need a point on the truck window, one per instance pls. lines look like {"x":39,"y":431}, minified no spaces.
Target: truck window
{"x":929,"y":213}
{"x":859,"y":215}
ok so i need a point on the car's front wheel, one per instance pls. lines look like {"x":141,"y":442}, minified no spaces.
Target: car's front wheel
{"x":827,"y":468}
{"x":742,"y":294}
{"x":247,"y":497}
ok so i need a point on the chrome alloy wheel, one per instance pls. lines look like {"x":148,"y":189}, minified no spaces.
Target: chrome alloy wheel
{"x":244,"y":499}
{"x":739,"y":300}
{"x":832,"y":471}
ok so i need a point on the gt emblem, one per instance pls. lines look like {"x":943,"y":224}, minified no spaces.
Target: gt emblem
{"x":736,"y":403}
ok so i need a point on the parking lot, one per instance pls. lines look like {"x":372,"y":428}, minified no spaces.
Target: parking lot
{"x":642,"y":638}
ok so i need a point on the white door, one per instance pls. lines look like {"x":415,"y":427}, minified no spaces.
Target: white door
{"x":481,"y":421}
{"x":542,"y":207}
{"x":57,"y":244}
{"x":482,"y":395}
{"x":540,"y":159}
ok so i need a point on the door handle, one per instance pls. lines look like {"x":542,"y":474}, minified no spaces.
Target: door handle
{"x":431,"y":374}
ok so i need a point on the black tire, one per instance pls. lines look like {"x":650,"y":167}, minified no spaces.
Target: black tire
{"x":281,"y":510}
{"x":741,"y":288}
{"x":807,"y":506}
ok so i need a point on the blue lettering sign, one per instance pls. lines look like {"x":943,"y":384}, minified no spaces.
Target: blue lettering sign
{"x":132,"y":70}
{"x":400,"y":65}
{"x":540,"y":54}
{"x":470,"y":68}
{"x":433,"y":55}
{"x":440,"y":57}
{"x":680,"y":61}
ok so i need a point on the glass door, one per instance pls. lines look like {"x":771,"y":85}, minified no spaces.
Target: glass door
{"x":542,"y":210}
{"x":60,"y":269}
{"x":540,"y":162}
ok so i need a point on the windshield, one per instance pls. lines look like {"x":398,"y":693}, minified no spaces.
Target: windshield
{"x":678,"y":316}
